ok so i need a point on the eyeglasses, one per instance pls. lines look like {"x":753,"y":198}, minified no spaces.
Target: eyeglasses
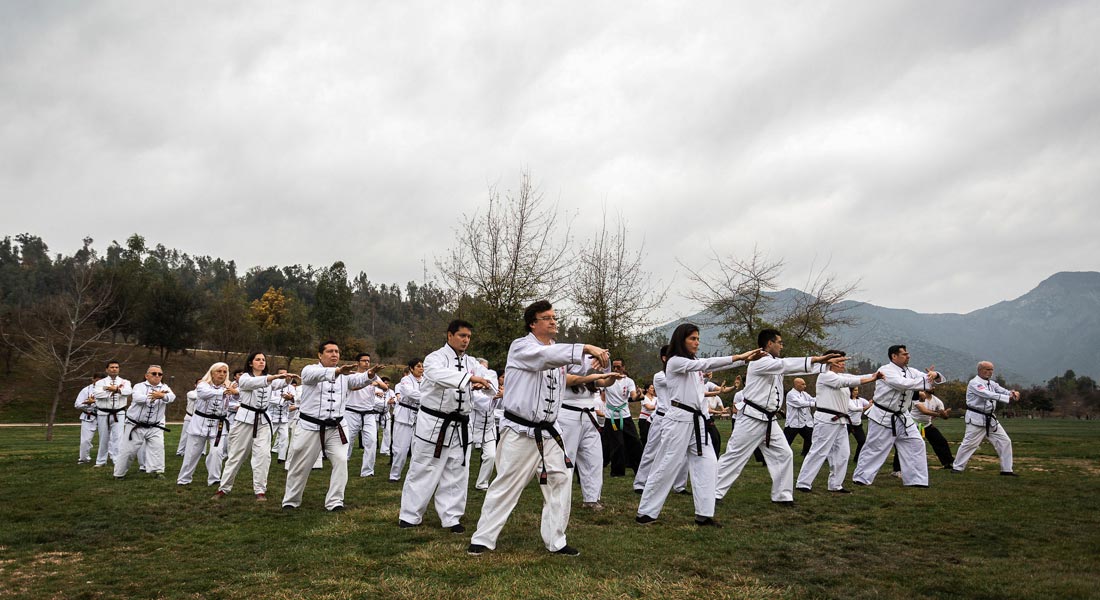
{"x":156,"y":374}
{"x":548,"y":318}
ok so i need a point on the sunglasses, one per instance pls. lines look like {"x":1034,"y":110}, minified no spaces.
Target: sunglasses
{"x":156,"y":374}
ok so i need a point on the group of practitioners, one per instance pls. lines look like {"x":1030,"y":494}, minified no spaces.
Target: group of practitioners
{"x":564,"y":411}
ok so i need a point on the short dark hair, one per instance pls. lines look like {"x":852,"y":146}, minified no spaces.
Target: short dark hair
{"x":359,"y":357}
{"x":765,"y":336}
{"x":386,"y":379}
{"x":322,"y":345}
{"x":457,"y":324}
{"x":530,"y":314}
{"x":677,"y":345}
{"x":251,"y":357}
{"x":895,"y":350}
{"x":236,"y":372}
{"x":664,"y":351}
{"x":413,"y":362}
{"x":112,"y":362}
{"x":837,"y":352}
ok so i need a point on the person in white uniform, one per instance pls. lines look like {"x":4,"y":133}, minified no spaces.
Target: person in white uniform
{"x":404,"y":417}
{"x":830,"y":433}
{"x":280,"y":412}
{"x":209,"y":424}
{"x":89,"y":421}
{"x":483,"y":428}
{"x":891,"y":425}
{"x":189,"y":411}
{"x":252,"y":426}
{"x":580,"y":428}
{"x":856,"y":407}
{"x":685,"y":438}
{"x":112,"y":393}
{"x":983,"y":395}
{"x":146,"y":424}
{"x":799,"y":422}
{"x":529,"y":442}
{"x":623,"y":446}
{"x":320,"y":430}
{"x":363,"y":408}
{"x":439,"y":465}
{"x":756,"y":428}
{"x":657,"y":423}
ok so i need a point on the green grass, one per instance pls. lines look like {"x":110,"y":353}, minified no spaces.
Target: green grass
{"x":70,"y":531}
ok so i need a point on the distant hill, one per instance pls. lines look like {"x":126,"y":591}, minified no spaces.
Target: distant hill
{"x":1050,"y":329}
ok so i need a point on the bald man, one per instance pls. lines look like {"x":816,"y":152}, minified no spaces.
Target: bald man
{"x":982,"y":397}
{"x":799,"y":420}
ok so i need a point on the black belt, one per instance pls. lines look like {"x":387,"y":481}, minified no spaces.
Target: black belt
{"x":539,"y":427}
{"x":324,"y":423}
{"x":256,"y":421}
{"x":836,"y":414}
{"x":409,"y":406}
{"x":450,"y":419}
{"x":697,"y":414}
{"x":989,"y":416}
{"x":143,"y":425}
{"x":362,"y":413}
{"x":588,"y":411}
{"x":894,"y":416}
{"x":660,"y":414}
{"x":111,"y":412}
{"x":222,"y":420}
{"x":771,"y":419}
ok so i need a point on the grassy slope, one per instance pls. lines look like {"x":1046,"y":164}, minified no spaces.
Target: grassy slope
{"x":75,"y":532}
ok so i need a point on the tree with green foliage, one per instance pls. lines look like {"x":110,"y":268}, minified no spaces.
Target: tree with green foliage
{"x":332,"y":310}
{"x":168,"y":316}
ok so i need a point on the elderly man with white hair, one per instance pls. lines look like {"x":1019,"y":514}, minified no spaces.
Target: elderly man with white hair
{"x":982,"y":397}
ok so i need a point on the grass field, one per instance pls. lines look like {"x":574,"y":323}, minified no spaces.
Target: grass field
{"x":70,"y":531}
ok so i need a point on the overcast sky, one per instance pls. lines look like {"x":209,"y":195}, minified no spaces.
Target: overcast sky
{"x":944,"y":154}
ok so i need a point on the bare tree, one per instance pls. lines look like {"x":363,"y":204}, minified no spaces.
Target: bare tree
{"x":737,"y":293}
{"x":611,"y":291}
{"x":61,"y":333}
{"x":506,"y":257}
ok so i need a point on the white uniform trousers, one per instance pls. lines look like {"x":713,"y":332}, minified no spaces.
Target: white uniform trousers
{"x":137,"y":440}
{"x":363,"y":428}
{"x":403,"y":435}
{"x":911,"y":453}
{"x":747,"y":437}
{"x":196,"y":445}
{"x":830,"y":441}
{"x":517,"y":461}
{"x":181,"y":449}
{"x":677,"y":450}
{"x":241,"y":443}
{"x":318,"y":464}
{"x":280,"y":441}
{"x":488,"y":461}
{"x":387,"y":434}
{"x":973,"y":438}
{"x":584,"y":447}
{"x":87,"y":432}
{"x":446,"y":477}
{"x":305,"y":450}
{"x":110,"y":434}
{"x":649,"y":453}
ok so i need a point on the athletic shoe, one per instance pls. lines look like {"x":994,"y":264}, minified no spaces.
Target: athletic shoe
{"x":218,"y":495}
{"x":596,"y":506}
{"x":261,"y":497}
{"x":841,"y":491}
{"x":457,"y":528}
{"x":644,"y":519}
{"x":783,"y":502}
{"x":707,"y":522}
{"x":896,"y":474}
{"x":475,"y":549}
{"x":567,"y":550}
{"x":804,"y":490}
{"x":337,"y":508}
{"x":1008,"y":474}
{"x":403,"y":524}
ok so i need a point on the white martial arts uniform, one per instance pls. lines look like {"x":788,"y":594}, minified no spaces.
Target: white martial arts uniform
{"x":982,"y":396}
{"x":386,"y":422}
{"x":110,"y":407}
{"x":483,"y":430}
{"x":404,"y":423}
{"x":361,"y":416}
{"x":320,"y":431}
{"x":831,"y":431}
{"x":89,"y":422}
{"x":756,"y":426}
{"x":181,"y":449}
{"x":210,"y":423}
{"x":280,"y":420}
{"x":579,"y":429}
{"x":251,"y":431}
{"x":534,"y":381}
{"x":685,"y":437}
{"x":892,"y":425}
{"x":145,"y":427}
{"x":439,"y":465}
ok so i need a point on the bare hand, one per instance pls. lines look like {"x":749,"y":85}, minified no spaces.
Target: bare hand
{"x":749,"y":356}
{"x":598,"y":354}
{"x":346,"y":369}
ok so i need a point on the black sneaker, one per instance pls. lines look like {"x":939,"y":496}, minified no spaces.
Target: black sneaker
{"x":783,"y":502}
{"x":476,"y":550}
{"x":1008,"y":474}
{"x":860,"y":483}
{"x":403,"y":524}
{"x":289,"y":507}
{"x":457,"y":528}
{"x":707,"y":522}
{"x":954,"y":471}
{"x":841,"y":491}
{"x":917,"y":485}
{"x":567,"y":550}
{"x":338,"y":508}
{"x":638,"y":491}
{"x":804,"y":490}
{"x":684,"y":492}
{"x":644,"y":519}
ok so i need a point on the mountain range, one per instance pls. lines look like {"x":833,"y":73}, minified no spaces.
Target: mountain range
{"x":1047,"y":331}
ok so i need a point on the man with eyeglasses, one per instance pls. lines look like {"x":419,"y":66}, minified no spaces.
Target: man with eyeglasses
{"x":530,"y":444}
{"x":145,"y":424}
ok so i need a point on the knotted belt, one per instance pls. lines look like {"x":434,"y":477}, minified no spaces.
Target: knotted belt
{"x":539,"y":427}
{"x":836,"y":414}
{"x":323,"y":424}
{"x":143,"y":425}
{"x":696,"y":416}
{"x":894,"y":416}
{"x":223,"y":422}
{"x":771,"y":419}
{"x":618,"y":414}
{"x":362,"y":413}
{"x":591,"y":412}
{"x":990,"y":419}
{"x":450,"y":419}
{"x":111,"y":412}
{"x":256,"y":421}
